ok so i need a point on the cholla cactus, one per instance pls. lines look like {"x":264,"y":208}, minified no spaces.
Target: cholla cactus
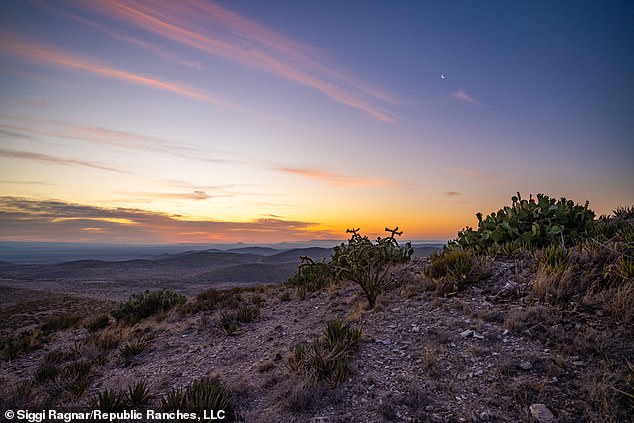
{"x":367,"y":263}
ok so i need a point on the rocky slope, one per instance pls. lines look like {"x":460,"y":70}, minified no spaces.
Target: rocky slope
{"x":488,"y":353}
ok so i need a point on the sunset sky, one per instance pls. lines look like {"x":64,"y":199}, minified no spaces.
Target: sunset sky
{"x":266,"y":121}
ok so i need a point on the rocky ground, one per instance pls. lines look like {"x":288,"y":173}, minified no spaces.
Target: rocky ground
{"x":486,"y":354}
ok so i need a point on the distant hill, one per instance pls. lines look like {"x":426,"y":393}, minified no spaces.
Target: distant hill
{"x":292,"y":256}
{"x":262,"y":251}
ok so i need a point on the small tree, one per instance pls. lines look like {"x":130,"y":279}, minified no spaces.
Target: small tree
{"x":368,"y":264}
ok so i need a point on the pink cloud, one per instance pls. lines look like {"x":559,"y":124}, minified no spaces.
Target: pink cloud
{"x":463,"y":96}
{"x":222,"y":33}
{"x":55,"y":220}
{"x":48,"y":55}
{"x":335,"y":179}
{"x":27,"y":155}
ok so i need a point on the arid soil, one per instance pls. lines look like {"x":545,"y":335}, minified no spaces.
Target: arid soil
{"x":484,"y":354}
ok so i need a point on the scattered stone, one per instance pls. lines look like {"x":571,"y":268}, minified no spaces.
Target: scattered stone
{"x":478,"y":336}
{"x":466,"y":333}
{"x":506,"y":332}
{"x":526,"y":365}
{"x":478,"y":373}
{"x":541,"y":413}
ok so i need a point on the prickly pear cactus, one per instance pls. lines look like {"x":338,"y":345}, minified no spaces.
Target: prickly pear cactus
{"x":533,"y":222}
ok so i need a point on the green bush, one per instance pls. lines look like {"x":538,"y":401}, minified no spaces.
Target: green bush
{"x":311,"y":276}
{"x":536,"y":222}
{"x":145,"y":304}
{"x":368,"y":264}
{"x":213,"y":299}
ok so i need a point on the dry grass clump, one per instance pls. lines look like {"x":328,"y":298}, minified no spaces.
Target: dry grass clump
{"x":453,"y":269}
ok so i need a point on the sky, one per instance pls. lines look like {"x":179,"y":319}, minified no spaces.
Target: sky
{"x":195,"y":121}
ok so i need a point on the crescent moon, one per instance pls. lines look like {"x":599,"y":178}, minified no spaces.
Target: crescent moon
{"x":442,"y":76}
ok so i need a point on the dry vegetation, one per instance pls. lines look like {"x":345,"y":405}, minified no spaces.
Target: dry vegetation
{"x":460,"y":336}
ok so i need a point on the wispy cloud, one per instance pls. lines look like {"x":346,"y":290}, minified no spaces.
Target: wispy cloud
{"x":194,"y":195}
{"x":336,"y":179}
{"x":222,"y":33}
{"x":451,"y":193}
{"x":128,"y":39}
{"x":463,"y":96}
{"x":10,"y":44}
{"x":53,"y":220}
{"x":29,"y":129}
{"x":27,"y":155}
{"x":26,"y":183}
{"x":30,"y":102}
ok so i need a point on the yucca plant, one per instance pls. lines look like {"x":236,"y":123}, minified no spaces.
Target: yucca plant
{"x":109,"y":401}
{"x":228,"y":323}
{"x":247,"y":313}
{"x":554,"y":257}
{"x":173,"y":400}
{"x":78,"y":369}
{"x":208,"y":394}
{"x":326,"y":358}
{"x":138,"y":394}
{"x":624,"y":212}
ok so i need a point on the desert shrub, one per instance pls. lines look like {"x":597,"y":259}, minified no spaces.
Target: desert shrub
{"x":311,"y":276}
{"x":200,"y":395}
{"x":26,"y":341}
{"x":367,"y":263}
{"x":98,"y":323}
{"x":326,"y":358}
{"x":454,"y":268}
{"x":46,"y":373}
{"x":60,"y":322}
{"x":213,"y":299}
{"x":539,"y":222}
{"x":145,"y":304}
{"x":106,"y":340}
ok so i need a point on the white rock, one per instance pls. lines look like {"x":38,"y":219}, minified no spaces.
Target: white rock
{"x":541,"y":413}
{"x":466,"y":333}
